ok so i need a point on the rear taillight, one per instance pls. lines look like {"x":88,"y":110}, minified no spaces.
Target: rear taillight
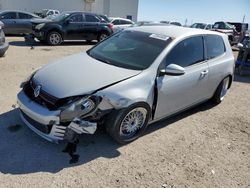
{"x":110,"y":25}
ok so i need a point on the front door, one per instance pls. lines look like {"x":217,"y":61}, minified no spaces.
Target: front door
{"x":73,"y":27}
{"x":175,"y":93}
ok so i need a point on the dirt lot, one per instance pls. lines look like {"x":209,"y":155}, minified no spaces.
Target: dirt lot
{"x":208,"y":146}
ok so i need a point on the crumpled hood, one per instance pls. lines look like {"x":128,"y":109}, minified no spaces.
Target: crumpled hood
{"x":79,"y":74}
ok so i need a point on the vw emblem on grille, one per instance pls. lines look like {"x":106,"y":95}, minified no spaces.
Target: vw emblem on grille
{"x":37,"y":90}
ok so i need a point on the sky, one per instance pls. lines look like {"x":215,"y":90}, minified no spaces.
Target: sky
{"x":207,"y":11}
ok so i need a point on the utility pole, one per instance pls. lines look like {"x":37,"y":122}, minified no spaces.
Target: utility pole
{"x":186,"y":22}
{"x":243,"y":21}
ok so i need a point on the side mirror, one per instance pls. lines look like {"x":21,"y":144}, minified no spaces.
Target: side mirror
{"x":173,"y":70}
{"x":68,"y":21}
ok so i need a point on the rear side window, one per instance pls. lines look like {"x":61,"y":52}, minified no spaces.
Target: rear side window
{"x":24,"y":16}
{"x":9,"y":15}
{"x":91,"y":18}
{"x":214,"y":45}
{"x":188,"y":52}
{"x":125,"y":22}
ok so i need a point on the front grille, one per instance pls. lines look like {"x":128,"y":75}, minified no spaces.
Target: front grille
{"x":41,"y":127}
{"x":43,"y":99}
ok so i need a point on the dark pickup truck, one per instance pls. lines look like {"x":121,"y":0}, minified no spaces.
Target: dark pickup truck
{"x":73,"y":26}
{"x":3,"y":44}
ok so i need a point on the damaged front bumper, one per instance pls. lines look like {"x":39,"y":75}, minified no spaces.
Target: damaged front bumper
{"x":46,"y":123}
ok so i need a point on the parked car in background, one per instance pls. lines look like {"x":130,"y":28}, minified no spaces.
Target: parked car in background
{"x":17,"y":22}
{"x":141,"y":23}
{"x":73,"y":26}
{"x":202,"y":26}
{"x":229,"y":30}
{"x":47,"y":12}
{"x":241,"y":28}
{"x":135,"y":77}
{"x":171,"y":23}
{"x":3,"y":44}
{"x":149,"y":24}
{"x":120,"y":23}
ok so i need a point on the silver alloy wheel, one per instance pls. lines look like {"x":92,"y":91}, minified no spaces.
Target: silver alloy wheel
{"x":224,"y":88}
{"x":133,"y":121}
{"x":103,"y":36}
{"x":55,"y":38}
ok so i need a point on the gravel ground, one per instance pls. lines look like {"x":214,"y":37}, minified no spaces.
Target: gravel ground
{"x":208,"y":146}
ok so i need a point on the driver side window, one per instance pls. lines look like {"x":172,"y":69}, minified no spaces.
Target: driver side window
{"x":76,"y":18}
{"x":187,"y":52}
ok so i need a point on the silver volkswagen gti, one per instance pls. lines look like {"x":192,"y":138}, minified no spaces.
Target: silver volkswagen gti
{"x":133,"y":78}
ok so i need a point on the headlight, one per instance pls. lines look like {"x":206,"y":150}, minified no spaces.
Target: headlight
{"x":28,"y":78}
{"x":40,"y":26}
{"x":79,"y":108}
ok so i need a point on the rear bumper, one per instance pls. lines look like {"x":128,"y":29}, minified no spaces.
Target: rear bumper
{"x":43,"y":122}
{"x":4,"y":48}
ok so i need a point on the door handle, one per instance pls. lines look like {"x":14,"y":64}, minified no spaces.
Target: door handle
{"x":204,"y":73}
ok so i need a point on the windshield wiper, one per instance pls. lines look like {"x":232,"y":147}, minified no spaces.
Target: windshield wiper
{"x":99,"y":59}
{"x":103,"y":60}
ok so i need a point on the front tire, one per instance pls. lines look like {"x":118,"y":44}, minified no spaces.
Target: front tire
{"x":126,"y":125}
{"x":54,"y":38}
{"x":221,"y":91}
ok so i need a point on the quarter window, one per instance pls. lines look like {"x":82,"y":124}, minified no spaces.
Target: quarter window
{"x":116,"y":22}
{"x":188,"y":52}
{"x":214,"y":45}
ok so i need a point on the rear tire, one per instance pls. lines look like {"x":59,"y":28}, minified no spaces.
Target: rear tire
{"x":54,"y":38}
{"x":126,"y":125}
{"x":221,"y":91}
{"x":102,"y":36}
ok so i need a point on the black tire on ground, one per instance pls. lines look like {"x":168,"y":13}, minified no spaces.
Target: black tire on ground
{"x":114,"y":120}
{"x":54,"y":38}
{"x":2,"y":54}
{"x":217,"y":98}
{"x":102,"y":36}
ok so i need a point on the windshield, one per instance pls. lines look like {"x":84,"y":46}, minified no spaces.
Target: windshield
{"x":130,"y":49}
{"x":60,"y":17}
{"x":199,"y":26}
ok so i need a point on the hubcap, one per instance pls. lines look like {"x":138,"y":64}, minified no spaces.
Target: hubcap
{"x":133,"y":121}
{"x":103,"y":36}
{"x":224,"y":88}
{"x":55,"y":38}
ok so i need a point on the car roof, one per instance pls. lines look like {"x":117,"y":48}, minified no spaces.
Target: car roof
{"x":117,"y":18}
{"x":18,"y":11}
{"x":173,"y":31}
{"x":81,"y":12}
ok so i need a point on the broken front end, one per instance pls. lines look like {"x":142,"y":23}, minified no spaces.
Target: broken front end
{"x":59,"y":119}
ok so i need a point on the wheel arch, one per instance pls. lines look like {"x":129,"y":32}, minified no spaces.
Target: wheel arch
{"x":55,"y":30}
